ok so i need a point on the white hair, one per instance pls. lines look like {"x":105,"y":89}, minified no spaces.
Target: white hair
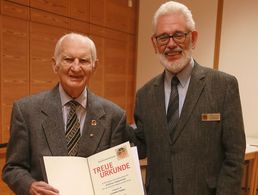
{"x":81,"y":37}
{"x":174,"y":7}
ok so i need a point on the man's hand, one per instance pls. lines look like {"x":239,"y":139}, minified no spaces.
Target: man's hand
{"x":42,"y":188}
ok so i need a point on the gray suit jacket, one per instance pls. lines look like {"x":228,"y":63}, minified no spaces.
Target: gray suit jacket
{"x":37,"y":129}
{"x":202,"y":157}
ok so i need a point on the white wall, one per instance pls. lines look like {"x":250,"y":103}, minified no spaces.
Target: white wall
{"x":238,"y":51}
{"x":205,"y":18}
{"x":147,"y":63}
{"x":239,"y":55}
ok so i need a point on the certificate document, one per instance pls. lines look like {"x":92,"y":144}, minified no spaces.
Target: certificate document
{"x":115,"y":171}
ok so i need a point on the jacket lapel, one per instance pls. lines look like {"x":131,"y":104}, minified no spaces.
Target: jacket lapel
{"x":93,"y":127}
{"x":53,"y":124}
{"x":195,"y":88}
{"x":159,"y":106}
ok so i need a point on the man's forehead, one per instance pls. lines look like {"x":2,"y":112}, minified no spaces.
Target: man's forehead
{"x":71,"y":46}
{"x":74,"y":41}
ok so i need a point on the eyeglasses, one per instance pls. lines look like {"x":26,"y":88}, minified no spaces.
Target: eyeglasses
{"x":178,"y":38}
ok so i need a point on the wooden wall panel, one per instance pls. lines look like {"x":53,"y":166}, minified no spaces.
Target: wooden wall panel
{"x":15,"y":56}
{"x":49,"y":18}
{"x":115,"y":57}
{"x":80,"y":9}
{"x":42,"y":42}
{"x":97,"y":80}
{"x":130,"y":93}
{"x":79,"y":26}
{"x":132,"y":16}
{"x":13,"y":76}
{"x":14,"y":66}
{"x":115,"y":72}
{"x":58,"y":7}
{"x":1,"y":75}
{"x":112,"y":62}
{"x":15,"y":10}
{"x":23,"y":2}
{"x":97,"y":13}
{"x":116,"y":14}
{"x":6,"y":110}
{"x":119,"y":66}
{"x":119,"y":15}
{"x":131,"y":72}
{"x":115,"y":90}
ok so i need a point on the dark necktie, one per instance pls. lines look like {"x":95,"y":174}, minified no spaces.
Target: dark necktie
{"x":173,"y":110}
{"x":72,"y":133}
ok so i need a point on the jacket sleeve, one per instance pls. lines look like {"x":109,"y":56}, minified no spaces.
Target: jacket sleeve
{"x":233,"y":140}
{"x":136,"y":134}
{"x":16,"y":170}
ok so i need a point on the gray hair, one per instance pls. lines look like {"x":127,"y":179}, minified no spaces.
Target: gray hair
{"x":174,"y":7}
{"x":81,"y":37}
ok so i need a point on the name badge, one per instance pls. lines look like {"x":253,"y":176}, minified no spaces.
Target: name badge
{"x":211,"y":117}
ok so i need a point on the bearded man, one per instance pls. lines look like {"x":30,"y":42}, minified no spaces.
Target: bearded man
{"x":188,"y":119}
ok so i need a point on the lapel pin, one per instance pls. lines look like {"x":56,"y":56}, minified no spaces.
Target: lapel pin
{"x":93,"y":122}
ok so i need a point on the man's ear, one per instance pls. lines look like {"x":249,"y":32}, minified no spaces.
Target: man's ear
{"x":54,"y":65}
{"x":95,"y":65}
{"x":194,"y":38}
{"x":154,"y":43}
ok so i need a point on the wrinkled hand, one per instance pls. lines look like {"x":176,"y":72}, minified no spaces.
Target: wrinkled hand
{"x":42,"y":188}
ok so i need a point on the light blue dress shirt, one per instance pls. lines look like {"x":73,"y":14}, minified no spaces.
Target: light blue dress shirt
{"x":80,"y":111}
{"x":184,"y":77}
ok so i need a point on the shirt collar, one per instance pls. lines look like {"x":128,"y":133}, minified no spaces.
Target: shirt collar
{"x":183,"y":76}
{"x":65,"y":98}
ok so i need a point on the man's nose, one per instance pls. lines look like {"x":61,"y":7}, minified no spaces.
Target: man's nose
{"x":171,"y":42}
{"x":76,"y":61}
{"x":76,"y":64}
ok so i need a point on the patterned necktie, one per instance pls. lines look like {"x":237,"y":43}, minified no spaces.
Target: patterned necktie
{"x":173,"y":111}
{"x":72,"y":133}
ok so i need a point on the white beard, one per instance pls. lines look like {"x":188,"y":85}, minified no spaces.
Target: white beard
{"x":178,"y":65}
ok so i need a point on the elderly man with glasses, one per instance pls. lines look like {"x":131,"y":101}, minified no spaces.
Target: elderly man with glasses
{"x":69,"y":120}
{"x":188,"y":119}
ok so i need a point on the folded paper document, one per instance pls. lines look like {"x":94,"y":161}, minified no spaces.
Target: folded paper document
{"x":115,"y":171}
